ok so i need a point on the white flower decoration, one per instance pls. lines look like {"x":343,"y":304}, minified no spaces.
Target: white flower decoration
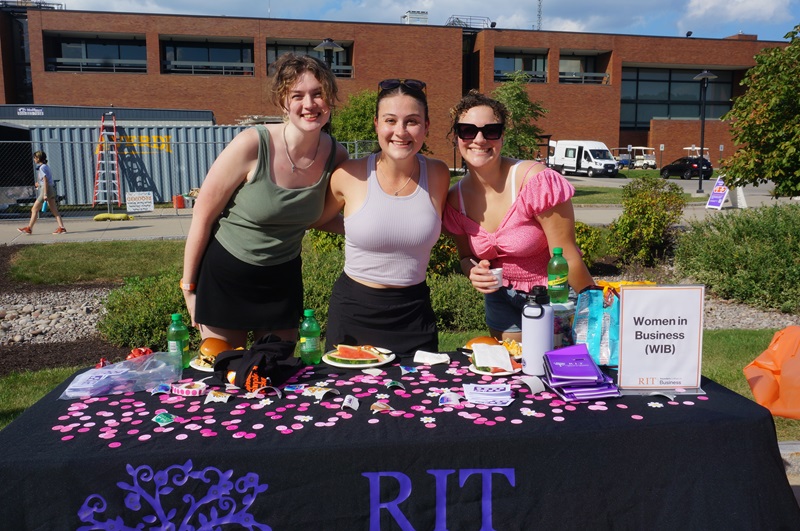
{"x":655,"y":404}
{"x":304,"y":418}
{"x":427,"y":420}
{"x":528,"y":412}
{"x":266,"y":402}
{"x":382,"y":396}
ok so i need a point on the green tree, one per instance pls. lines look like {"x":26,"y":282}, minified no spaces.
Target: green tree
{"x":522,"y":134}
{"x":353,"y":122}
{"x":765,"y":121}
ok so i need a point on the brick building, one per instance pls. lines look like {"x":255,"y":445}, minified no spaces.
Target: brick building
{"x":619,"y":89}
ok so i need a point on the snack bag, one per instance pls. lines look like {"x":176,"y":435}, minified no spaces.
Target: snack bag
{"x":774,"y":376}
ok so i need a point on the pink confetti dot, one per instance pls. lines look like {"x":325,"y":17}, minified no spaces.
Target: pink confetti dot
{"x":67,"y":437}
{"x":144,"y":437}
{"x":570,"y":408}
{"x":558,"y":410}
{"x":430,"y":425}
{"x":84,"y":430}
{"x":702,"y":397}
{"x":287,"y":432}
{"x":622,"y":406}
{"x":516,"y":421}
{"x":281,"y":428}
{"x":132,"y":432}
{"x":297,"y":426}
{"x":500,"y":419}
{"x":373,"y":421}
{"x":558,"y":419}
{"x":114,"y":444}
{"x":319,"y":424}
{"x":239,"y":434}
{"x":673,"y":403}
{"x":688,"y":403}
{"x":637,"y":417}
{"x":181,"y":437}
{"x":490,"y":423}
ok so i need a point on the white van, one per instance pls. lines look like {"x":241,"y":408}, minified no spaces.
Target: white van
{"x":582,"y":156}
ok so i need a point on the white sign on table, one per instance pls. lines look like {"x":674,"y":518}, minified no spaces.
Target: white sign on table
{"x":139,"y":201}
{"x":661,"y":337}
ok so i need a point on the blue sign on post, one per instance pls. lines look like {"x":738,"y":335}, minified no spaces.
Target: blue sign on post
{"x":718,"y":195}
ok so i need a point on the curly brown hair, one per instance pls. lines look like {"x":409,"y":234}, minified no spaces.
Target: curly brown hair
{"x":289,"y":67}
{"x":475,"y":99}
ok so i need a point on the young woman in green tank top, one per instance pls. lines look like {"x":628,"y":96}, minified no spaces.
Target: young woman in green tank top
{"x":241,"y":268}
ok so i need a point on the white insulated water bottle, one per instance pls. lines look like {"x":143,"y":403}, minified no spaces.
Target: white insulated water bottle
{"x":537,"y":331}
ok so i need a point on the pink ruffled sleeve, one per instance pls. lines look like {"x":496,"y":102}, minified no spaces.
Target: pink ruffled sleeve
{"x":453,"y":220}
{"x":545,"y":190}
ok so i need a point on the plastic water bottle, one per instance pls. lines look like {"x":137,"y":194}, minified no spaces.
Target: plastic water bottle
{"x":310,"y":346}
{"x":537,"y":331}
{"x":178,"y":339}
{"x":557,"y":273}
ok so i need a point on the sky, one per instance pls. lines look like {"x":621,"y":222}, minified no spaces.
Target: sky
{"x":769,"y":19}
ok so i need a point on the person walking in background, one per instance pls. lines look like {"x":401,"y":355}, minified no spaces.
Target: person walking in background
{"x":507,"y":213}
{"x":393,"y":202}
{"x":46,"y":192}
{"x":242,"y":269}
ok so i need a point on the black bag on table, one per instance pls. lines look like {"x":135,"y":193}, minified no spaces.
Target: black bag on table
{"x":269,"y":362}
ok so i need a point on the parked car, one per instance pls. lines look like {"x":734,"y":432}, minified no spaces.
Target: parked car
{"x":687,"y":167}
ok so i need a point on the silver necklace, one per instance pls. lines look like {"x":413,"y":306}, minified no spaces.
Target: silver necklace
{"x":396,"y":192}
{"x":295,"y":166}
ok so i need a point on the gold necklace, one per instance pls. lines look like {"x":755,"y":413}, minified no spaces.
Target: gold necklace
{"x":286,"y":147}
{"x":396,"y":192}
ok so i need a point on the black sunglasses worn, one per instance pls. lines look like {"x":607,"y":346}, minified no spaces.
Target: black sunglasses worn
{"x":470,"y":131}
{"x":413,"y":84}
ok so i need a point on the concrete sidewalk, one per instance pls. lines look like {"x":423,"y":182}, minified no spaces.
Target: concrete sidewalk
{"x":161,"y":224}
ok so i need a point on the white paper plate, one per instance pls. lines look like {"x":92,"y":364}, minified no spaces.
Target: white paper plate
{"x":389,"y":359}
{"x":194,"y":365}
{"x":474,"y":369}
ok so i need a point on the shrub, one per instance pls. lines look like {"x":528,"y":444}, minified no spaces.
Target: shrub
{"x":752,"y":256}
{"x":320,"y":271}
{"x":457,"y":305}
{"x":589,"y":240}
{"x":444,"y":258}
{"x":138,"y":313}
{"x":644,"y":232}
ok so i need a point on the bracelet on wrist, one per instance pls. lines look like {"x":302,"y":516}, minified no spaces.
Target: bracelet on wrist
{"x":187,"y":286}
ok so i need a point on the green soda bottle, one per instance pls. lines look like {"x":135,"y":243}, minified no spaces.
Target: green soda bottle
{"x":178,"y":339}
{"x":557,"y":273}
{"x":310,"y":346}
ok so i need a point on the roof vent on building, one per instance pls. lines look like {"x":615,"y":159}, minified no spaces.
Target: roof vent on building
{"x":415,"y":17}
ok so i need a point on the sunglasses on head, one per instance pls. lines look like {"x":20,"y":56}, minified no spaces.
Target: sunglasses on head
{"x":413,"y":84}
{"x":470,"y":131}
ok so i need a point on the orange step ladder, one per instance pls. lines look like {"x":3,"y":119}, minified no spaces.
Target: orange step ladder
{"x":106,"y":175}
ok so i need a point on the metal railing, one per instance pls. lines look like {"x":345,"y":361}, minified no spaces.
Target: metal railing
{"x":208,"y":68}
{"x":584,"y":78}
{"x":534,"y":76}
{"x":65,"y":64}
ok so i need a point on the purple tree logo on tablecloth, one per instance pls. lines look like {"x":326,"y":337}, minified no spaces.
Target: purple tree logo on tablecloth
{"x":156,"y":495}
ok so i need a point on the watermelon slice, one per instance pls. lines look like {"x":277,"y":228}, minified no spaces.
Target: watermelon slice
{"x":356,"y":355}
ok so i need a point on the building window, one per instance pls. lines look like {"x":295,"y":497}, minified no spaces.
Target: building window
{"x":580,"y":69}
{"x":94,"y":54}
{"x":207,"y":58}
{"x":341,"y":65}
{"x":535,"y":65}
{"x":670,"y":93}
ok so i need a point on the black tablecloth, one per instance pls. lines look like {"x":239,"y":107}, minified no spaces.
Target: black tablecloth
{"x":699,"y":462}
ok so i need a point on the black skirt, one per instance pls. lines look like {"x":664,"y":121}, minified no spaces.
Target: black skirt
{"x":239,"y":296}
{"x":399,"y":319}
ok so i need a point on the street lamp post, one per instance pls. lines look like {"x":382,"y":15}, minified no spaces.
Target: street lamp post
{"x":327,"y":46}
{"x":703,"y":77}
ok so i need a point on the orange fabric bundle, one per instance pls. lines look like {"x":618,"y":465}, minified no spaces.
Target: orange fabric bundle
{"x":774,"y":376}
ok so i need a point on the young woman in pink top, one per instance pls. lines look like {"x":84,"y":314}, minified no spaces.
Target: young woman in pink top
{"x":507,"y":213}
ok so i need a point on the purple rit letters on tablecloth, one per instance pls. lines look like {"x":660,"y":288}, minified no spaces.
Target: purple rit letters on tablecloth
{"x":441,"y":496}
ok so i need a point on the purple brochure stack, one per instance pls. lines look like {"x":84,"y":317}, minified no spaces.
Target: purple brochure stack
{"x":573,"y":375}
